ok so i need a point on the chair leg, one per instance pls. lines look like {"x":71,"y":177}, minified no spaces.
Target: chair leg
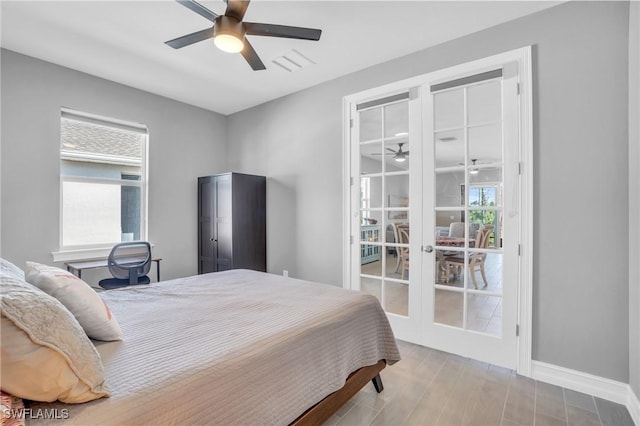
{"x":484,"y":277}
{"x":473,"y":276}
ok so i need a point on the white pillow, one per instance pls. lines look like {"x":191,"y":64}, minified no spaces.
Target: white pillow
{"x":45,"y":355}
{"x":80,"y":299}
{"x":8,"y":269}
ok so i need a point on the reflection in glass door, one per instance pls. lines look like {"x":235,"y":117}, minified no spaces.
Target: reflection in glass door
{"x":384,"y":160}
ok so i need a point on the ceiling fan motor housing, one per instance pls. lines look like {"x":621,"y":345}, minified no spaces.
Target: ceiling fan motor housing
{"x":228,"y":25}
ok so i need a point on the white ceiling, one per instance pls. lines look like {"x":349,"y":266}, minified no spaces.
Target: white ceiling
{"x":123,"y":41}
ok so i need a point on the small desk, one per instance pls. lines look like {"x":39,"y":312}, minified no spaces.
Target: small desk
{"x":77,"y":267}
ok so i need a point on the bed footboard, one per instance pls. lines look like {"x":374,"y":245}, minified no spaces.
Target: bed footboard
{"x":320,"y":412}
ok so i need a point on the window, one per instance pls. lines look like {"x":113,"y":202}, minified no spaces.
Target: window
{"x":103,"y":178}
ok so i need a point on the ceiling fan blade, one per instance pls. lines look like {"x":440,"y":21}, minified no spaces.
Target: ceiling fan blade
{"x":406,"y":152}
{"x":199,"y":9}
{"x":237,"y":8}
{"x":270,"y":30}
{"x":189,"y":39}
{"x":391,"y":150}
{"x":252,"y":57}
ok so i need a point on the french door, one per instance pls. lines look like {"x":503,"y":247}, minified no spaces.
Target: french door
{"x":434,"y":207}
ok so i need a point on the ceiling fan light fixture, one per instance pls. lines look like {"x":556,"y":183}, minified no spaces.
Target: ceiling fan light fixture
{"x":475,"y":170}
{"x":400,"y":157}
{"x":228,"y":43}
{"x":228,"y":34}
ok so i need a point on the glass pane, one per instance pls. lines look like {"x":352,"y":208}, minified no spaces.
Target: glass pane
{"x":440,"y":276}
{"x":444,"y":219}
{"x":449,"y":148}
{"x":371,"y":158}
{"x":397,"y":191}
{"x":370,"y":233}
{"x":370,"y":192}
{"x":371,"y":124}
{"x":371,"y":260}
{"x":450,"y":189}
{"x":393,"y":266}
{"x":371,"y":286}
{"x":393,"y":235}
{"x":396,"y":297}
{"x":485,"y":144}
{"x":452,"y":267}
{"x":96,"y":213}
{"x":484,"y":218}
{"x":397,"y":155}
{"x":449,"y":109}
{"x":488,"y":176}
{"x":448,"y":307}
{"x":78,"y":137}
{"x":396,"y":119}
{"x":484,"y":102}
{"x":492,"y":271}
{"x":99,"y":170}
{"x":484,"y":313}
{"x":485,"y":196}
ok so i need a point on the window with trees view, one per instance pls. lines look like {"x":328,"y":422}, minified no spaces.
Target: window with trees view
{"x":103,"y":173}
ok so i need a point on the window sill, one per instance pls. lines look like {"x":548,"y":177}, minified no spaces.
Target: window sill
{"x":82,"y":254}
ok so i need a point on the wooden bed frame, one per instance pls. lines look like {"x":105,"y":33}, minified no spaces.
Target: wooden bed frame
{"x":319,"y":413}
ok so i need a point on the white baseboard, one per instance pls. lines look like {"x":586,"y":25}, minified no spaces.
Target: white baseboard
{"x":633,"y":405}
{"x":601,"y":387}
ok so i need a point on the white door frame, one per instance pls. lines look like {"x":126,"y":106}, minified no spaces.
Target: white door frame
{"x":522,"y":57}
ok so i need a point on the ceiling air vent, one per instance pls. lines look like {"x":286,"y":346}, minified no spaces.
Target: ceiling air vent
{"x":292,"y":61}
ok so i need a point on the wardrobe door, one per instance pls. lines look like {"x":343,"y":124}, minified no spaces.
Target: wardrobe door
{"x":206,"y":225}
{"x":223,"y":235}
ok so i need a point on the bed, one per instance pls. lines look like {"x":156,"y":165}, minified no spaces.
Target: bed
{"x":235,"y":347}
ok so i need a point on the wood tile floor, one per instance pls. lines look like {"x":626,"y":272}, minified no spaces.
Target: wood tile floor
{"x":430,"y":387}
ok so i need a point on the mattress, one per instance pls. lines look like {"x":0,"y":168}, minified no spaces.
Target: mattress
{"x":234,"y":347}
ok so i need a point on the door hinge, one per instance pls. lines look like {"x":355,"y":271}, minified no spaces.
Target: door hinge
{"x":519,"y":250}
{"x":517,"y":330}
{"x":519,"y":168}
{"x":351,"y":181}
{"x":351,"y":123}
{"x":518,"y":88}
{"x":350,"y":239}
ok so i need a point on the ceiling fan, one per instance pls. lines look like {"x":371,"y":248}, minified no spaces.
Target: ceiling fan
{"x":229,"y":31}
{"x":398,"y":155}
{"x":474,"y":169}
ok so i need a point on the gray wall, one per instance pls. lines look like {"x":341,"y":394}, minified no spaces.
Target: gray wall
{"x":581,"y":318}
{"x":184,"y":142}
{"x":634,"y":197}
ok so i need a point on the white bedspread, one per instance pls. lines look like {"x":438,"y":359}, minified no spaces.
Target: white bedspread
{"x":236,"y":347}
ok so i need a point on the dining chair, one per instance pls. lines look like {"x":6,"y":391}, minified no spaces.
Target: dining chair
{"x":456,"y":230}
{"x":476,"y":259}
{"x":403,"y":233}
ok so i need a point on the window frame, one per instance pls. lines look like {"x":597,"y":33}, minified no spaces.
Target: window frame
{"x":101,"y":250}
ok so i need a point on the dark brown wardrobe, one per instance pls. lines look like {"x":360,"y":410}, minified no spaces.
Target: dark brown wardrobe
{"x":232,"y":222}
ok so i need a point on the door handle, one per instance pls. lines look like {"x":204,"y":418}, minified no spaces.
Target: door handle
{"x":428,"y":249}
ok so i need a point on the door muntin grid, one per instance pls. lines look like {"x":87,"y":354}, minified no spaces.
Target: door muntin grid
{"x":468,"y":195}
{"x":384,"y":203}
